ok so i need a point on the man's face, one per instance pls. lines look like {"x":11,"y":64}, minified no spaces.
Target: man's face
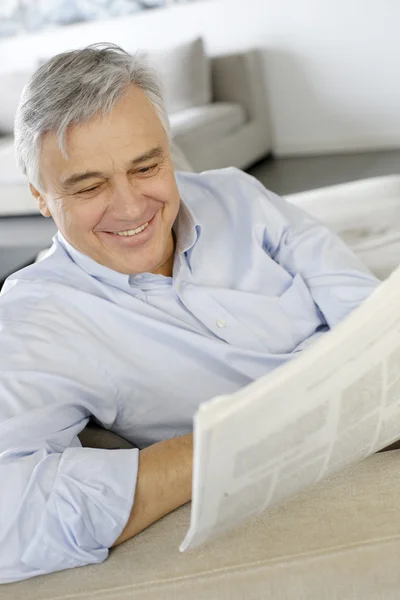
{"x":118,"y":179}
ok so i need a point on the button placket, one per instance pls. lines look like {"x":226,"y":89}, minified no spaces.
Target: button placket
{"x":216,"y":318}
{"x":206,"y":310}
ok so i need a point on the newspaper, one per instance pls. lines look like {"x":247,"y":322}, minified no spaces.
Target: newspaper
{"x":334,"y":404}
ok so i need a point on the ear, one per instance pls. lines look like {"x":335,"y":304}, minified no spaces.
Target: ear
{"x":41,"y":201}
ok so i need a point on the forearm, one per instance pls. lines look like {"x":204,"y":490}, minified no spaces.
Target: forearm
{"x":164,"y":483}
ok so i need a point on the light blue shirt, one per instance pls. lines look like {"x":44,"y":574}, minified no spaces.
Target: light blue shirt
{"x":255,"y":281}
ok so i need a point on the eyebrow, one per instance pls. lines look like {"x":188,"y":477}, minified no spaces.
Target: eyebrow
{"x":78,"y":177}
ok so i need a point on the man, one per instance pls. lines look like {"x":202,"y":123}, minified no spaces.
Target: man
{"x":161,"y":291}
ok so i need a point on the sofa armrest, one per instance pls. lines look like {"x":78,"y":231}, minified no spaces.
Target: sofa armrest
{"x":240,"y":78}
{"x":337,"y":539}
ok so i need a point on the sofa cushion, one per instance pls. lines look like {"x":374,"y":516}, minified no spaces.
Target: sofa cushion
{"x":212,"y":121}
{"x":11,"y":86}
{"x":186,"y":74}
{"x":9,"y":171}
{"x":339,"y":539}
{"x":365,"y":214}
{"x":180,"y":161}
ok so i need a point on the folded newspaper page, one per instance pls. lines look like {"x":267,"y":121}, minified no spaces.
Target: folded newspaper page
{"x":334,"y":404}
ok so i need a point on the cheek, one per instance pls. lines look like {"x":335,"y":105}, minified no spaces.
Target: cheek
{"x":83,"y":216}
{"x":163,"y":190}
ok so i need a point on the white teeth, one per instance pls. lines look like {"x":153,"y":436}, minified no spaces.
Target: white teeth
{"x":132,"y":231}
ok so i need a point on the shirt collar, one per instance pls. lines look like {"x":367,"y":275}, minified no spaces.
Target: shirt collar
{"x":187,"y":231}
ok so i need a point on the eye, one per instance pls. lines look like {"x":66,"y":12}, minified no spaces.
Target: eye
{"x":147,"y":170}
{"x":91,"y":189}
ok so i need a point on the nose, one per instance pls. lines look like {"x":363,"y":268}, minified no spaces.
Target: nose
{"x":127,"y":203}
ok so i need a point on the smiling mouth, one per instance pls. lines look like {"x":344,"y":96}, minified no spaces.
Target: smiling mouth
{"x":130,"y":232}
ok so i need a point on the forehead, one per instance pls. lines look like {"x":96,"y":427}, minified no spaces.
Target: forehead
{"x":129,"y":130}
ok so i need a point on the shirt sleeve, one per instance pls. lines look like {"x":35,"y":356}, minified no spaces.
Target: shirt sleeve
{"x":61,"y":505}
{"x":338,"y":281}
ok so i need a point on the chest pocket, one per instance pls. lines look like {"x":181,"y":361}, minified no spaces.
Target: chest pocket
{"x":273,"y":324}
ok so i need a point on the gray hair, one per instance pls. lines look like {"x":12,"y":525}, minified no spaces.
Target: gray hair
{"x":73,"y":87}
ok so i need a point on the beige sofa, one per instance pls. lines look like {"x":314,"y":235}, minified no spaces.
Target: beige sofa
{"x":339,"y":540}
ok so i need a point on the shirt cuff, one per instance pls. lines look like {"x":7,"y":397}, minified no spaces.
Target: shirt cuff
{"x":88,"y":508}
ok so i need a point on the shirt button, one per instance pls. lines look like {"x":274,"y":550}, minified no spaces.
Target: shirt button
{"x":221,"y":323}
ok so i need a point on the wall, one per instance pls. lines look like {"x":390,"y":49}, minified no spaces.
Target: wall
{"x":27,"y":16}
{"x":331,"y":66}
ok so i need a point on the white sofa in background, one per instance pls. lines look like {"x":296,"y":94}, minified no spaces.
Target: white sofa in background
{"x":218,"y":107}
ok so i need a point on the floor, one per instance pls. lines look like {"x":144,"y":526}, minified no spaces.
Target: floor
{"x":297,"y":174}
{"x":21,"y":238}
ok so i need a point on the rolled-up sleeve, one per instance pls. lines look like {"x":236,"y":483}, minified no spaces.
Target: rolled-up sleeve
{"x":61,"y":505}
